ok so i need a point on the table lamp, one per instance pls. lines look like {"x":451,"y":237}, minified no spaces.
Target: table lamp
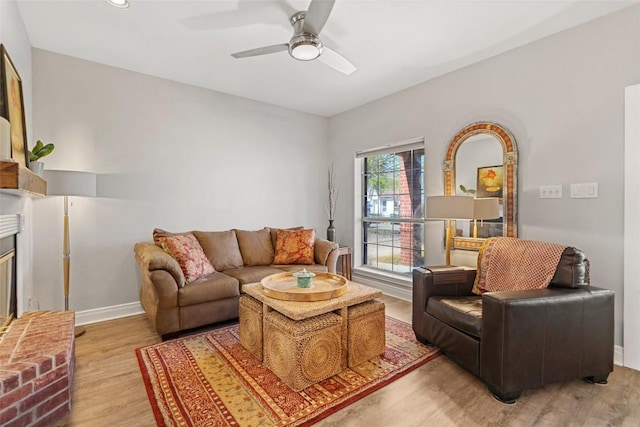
{"x":461,"y":207}
{"x":69,"y":183}
{"x":449,"y":208}
{"x":484,"y":208}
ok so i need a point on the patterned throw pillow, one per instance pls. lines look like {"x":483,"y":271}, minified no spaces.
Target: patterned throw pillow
{"x":189,"y":254}
{"x":294,"y":247}
{"x":159,"y":235}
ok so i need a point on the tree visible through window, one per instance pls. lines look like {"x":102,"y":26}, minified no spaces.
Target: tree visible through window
{"x":393,"y":210}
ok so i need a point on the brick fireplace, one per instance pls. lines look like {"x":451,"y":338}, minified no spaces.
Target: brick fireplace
{"x":36,"y":369}
{"x":36,"y":349}
{"x":9,"y":226}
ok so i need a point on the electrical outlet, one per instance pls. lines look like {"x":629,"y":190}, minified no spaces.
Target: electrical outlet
{"x":32,"y":304}
{"x":551,"y":191}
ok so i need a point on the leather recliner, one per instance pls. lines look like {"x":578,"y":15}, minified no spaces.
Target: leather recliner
{"x":516,"y":340}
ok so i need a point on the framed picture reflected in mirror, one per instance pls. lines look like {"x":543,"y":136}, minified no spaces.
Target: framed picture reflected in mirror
{"x":490,"y":179}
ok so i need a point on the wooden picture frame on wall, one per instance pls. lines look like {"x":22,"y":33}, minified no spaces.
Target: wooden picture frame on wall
{"x":12,"y":107}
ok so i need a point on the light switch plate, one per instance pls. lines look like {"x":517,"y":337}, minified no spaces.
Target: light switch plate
{"x":551,"y":191}
{"x":584,"y":190}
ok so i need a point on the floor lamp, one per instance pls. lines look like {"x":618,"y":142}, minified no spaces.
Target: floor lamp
{"x":69,"y":183}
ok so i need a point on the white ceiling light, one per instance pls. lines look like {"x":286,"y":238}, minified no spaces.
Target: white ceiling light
{"x":305,"y":47}
{"x":122,"y":4}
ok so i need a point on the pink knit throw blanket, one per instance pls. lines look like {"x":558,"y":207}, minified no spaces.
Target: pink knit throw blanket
{"x":508,"y":264}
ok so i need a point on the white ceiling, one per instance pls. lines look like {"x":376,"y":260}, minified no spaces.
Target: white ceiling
{"x":394,"y":44}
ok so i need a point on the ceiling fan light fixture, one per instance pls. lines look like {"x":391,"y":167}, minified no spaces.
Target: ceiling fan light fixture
{"x":122,"y":4}
{"x":305,"y":47}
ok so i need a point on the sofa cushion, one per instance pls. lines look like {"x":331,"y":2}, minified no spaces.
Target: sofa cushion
{"x":274,"y":233}
{"x":255,"y":246}
{"x":295,"y":246}
{"x":314,"y":268}
{"x":462,"y":313}
{"x":251,"y":274}
{"x":572,"y":270}
{"x":215,"y":287}
{"x":189,"y":254}
{"x":221,"y":247}
{"x":159,"y":235}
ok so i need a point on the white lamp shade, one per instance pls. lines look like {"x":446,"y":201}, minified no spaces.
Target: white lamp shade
{"x":462,"y":207}
{"x":486,"y":208}
{"x":450,"y":207}
{"x":70,"y":183}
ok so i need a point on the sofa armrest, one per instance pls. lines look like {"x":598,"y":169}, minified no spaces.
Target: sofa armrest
{"x":326,"y":253}
{"x":151,"y":257}
{"x":534,"y":337}
{"x":428,"y":283}
{"x":431,"y":282}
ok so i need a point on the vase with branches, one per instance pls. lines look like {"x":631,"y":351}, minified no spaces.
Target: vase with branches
{"x":331,"y":207}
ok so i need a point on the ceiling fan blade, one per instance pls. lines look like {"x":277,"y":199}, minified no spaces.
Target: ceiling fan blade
{"x":317,"y":15}
{"x":243,"y":14}
{"x":261,"y":50}
{"x":336,"y":61}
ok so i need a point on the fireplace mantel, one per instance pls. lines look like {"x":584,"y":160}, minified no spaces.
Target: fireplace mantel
{"x":20,"y":181}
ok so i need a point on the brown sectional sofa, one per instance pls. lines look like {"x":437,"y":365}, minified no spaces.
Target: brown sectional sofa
{"x":239,"y":257}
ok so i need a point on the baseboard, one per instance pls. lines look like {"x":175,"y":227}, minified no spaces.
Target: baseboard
{"x":108,"y":313}
{"x":387,"y":286}
{"x":618,"y":355}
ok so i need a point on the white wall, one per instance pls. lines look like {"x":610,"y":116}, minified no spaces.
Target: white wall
{"x":562,"y":98}
{"x":14,"y":37}
{"x":168,"y":155}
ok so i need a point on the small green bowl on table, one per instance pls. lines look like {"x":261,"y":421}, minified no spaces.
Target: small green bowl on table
{"x":304,"y":278}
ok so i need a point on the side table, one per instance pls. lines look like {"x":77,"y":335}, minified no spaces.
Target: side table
{"x":345,"y":255}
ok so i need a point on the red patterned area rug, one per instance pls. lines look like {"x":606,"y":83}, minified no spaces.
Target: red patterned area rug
{"x":209,"y":379}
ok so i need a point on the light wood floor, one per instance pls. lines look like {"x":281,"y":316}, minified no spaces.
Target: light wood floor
{"x":108,"y":390}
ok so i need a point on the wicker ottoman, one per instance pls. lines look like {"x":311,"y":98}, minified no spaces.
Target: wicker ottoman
{"x":365,"y":336}
{"x":250,"y":314}
{"x":303,"y":352}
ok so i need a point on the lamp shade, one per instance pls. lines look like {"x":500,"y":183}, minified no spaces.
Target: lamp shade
{"x":70,"y":183}
{"x":486,"y":208}
{"x":450,"y":207}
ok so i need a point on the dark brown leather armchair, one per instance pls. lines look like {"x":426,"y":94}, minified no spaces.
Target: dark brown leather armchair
{"x":515,"y":340}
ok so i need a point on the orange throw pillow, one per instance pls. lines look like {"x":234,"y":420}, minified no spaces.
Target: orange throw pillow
{"x":294,"y":247}
{"x":189,"y":254}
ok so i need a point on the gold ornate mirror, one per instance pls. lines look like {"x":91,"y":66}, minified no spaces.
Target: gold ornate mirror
{"x":482,"y":161}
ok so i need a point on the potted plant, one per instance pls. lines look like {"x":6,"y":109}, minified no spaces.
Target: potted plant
{"x":467,"y":191}
{"x":39,"y":151}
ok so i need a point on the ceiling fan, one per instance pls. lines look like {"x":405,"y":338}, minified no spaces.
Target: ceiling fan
{"x":305,"y":45}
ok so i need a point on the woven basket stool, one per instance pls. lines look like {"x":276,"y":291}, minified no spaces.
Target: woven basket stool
{"x":250,"y":313}
{"x":304,"y":352}
{"x":365,"y":337}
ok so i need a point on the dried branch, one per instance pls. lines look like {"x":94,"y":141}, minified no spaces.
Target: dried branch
{"x":333,"y":193}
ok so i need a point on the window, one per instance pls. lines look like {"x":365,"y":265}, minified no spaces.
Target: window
{"x":392,"y":219}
